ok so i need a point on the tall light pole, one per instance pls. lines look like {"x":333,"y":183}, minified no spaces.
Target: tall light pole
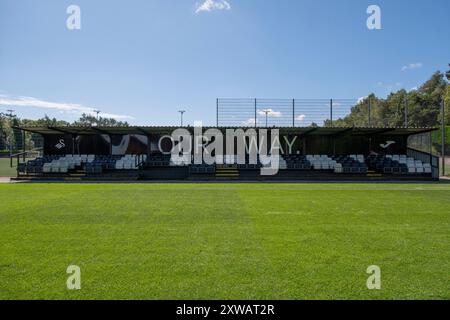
{"x":182,"y":112}
{"x":97,"y":112}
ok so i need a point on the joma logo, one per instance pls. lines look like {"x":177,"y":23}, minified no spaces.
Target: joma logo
{"x":387,"y":144}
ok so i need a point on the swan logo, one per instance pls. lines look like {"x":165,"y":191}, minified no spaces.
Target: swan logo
{"x":60,"y":144}
{"x":387,"y":144}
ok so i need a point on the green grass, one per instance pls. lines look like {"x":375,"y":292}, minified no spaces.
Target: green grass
{"x":225,"y":241}
{"x":5,"y":168}
{"x":447,"y":169}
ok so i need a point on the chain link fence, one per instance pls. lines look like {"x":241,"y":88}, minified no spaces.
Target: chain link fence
{"x":441,"y":148}
{"x":363,"y":112}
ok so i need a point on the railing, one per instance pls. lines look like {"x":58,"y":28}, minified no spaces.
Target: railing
{"x":24,"y":155}
{"x":365,"y":112}
{"x":282,"y":112}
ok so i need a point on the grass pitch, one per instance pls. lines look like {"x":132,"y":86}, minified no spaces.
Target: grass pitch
{"x":5,"y":168}
{"x":224,"y":241}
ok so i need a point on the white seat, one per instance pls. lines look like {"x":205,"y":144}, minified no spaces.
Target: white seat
{"x":420,"y":170}
{"x":119,"y":165}
{"x":127,"y":165}
{"x":71,"y":165}
{"x":265,"y":160}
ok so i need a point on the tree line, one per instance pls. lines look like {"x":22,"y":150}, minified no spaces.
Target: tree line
{"x":420,"y":107}
{"x":13,"y":138}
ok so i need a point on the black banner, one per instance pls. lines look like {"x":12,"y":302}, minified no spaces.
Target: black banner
{"x":223,"y":309}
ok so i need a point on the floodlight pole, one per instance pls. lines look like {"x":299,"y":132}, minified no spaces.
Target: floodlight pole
{"x":97,"y":112}
{"x":11,"y":115}
{"x":182,"y":112}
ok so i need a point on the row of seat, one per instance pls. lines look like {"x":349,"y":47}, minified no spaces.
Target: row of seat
{"x":65,"y":163}
{"x":389,"y":164}
{"x":130,"y":162}
{"x":398,"y":164}
{"x":350,"y":164}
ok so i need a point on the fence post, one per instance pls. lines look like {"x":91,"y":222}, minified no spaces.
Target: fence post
{"x":256,"y":116}
{"x":406,"y":112}
{"x":293,"y":113}
{"x":24,"y":147}
{"x":217,"y":112}
{"x":370,"y":110}
{"x":331,"y":112}
{"x":443,"y":137}
{"x":10,"y":154}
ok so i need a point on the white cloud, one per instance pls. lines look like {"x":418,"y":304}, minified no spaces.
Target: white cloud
{"x":301,"y":117}
{"x":362,"y":99}
{"x":389,"y":86}
{"x":21,"y":101}
{"x":249,"y":122}
{"x":270,"y":113}
{"x":412,"y":66}
{"x":210,"y":5}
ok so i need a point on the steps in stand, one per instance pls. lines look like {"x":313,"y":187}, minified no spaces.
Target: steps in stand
{"x":373,"y":174}
{"x":227,"y":172}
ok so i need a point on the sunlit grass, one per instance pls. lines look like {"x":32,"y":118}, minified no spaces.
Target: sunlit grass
{"x":224,"y":241}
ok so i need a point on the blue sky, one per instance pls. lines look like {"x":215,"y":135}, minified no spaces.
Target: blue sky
{"x":143,"y":60}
